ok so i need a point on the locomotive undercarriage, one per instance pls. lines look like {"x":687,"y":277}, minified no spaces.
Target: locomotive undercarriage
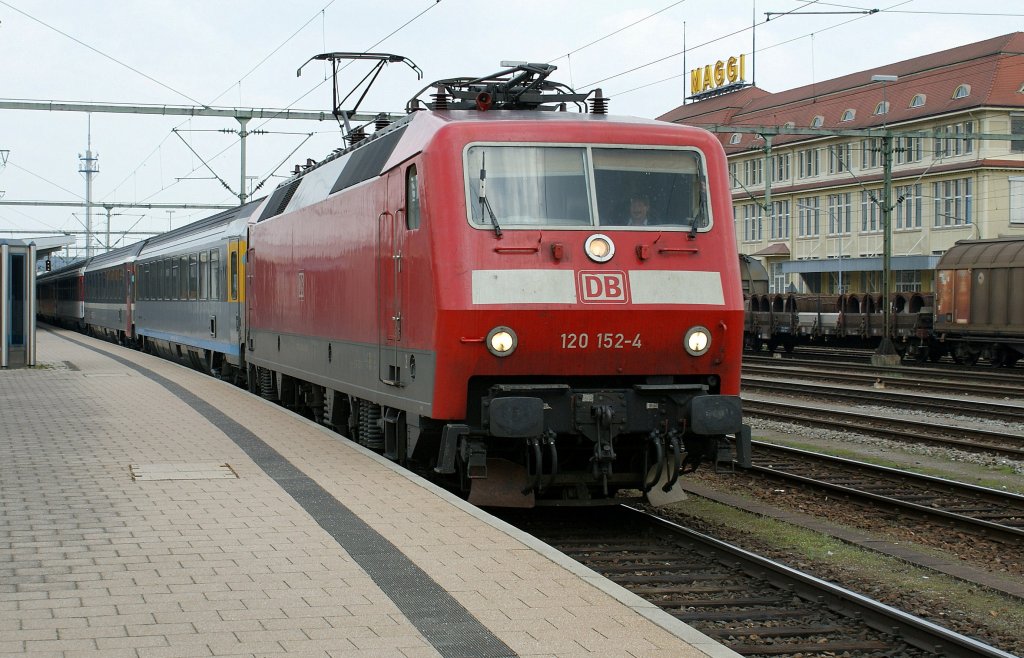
{"x":543,"y":444}
{"x":552,"y":444}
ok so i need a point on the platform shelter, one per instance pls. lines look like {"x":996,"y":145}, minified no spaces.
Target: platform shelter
{"x":18,"y":266}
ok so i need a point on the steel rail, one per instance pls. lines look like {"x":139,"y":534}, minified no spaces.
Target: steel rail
{"x":1013,"y":504}
{"x":911,"y":431}
{"x":1009,"y":412}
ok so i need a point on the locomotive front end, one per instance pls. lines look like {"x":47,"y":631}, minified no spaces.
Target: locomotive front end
{"x":592,"y":314}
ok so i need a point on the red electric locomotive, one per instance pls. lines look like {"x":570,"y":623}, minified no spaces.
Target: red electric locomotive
{"x":542,"y":305}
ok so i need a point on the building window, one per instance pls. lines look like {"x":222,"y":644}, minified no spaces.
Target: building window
{"x":908,"y":149}
{"x":963,"y":91}
{"x":918,"y":100}
{"x":870,"y":153}
{"x":789,"y":124}
{"x":780,"y":220}
{"x":907,"y":280}
{"x":809,"y":216}
{"x":735,"y":138}
{"x":1016,"y":200}
{"x":753,"y":230}
{"x":952,"y":202}
{"x":882,"y":108}
{"x":817,"y":121}
{"x":908,"y":206}
{"x":753,"y":171}
{"x":778,"y":282}
{"x":870,"y":212}
{"x":1017,"y":131}
{"x":839,"y":158}
{"x":849,"y":114}
{"x":780,"y":167}
{"x":839,"y":214}
{"x":959,"y":141}
{"x":734,"y":180}
{"x":807,"y":161}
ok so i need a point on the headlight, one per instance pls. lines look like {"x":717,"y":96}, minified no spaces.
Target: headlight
{"x":599,"y":248}
{"x":502,"y":341}
{"x":697,"y":341}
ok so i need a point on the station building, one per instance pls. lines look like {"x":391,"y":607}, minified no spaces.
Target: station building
{"x":810,"y":205}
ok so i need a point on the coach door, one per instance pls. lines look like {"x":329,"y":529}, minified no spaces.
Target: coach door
{"x":390,"y":240}
{"x":236,"y":295}
{"x":129,"y":295}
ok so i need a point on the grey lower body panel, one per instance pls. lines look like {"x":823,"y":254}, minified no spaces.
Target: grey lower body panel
{"x":350,"y":368}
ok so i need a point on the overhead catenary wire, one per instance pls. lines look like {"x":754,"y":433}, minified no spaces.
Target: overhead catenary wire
{"x":98,"y":51}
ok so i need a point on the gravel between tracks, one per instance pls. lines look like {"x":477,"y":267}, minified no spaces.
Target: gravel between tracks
{"x":968,"y":609}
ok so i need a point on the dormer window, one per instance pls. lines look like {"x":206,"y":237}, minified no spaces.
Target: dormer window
{"x":849,"y":114}
{"x":963,"y":91}
{"x":817,"y":121}
{"x":735,"y":139}
{"x":882,"y":108}
{"x":789,"y":124}
{"x":918,"y":100}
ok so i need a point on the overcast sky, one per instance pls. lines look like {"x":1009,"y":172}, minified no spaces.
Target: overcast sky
{"x":245,"y":54}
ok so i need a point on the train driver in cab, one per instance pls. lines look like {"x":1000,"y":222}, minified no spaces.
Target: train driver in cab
{"x":639,"y":211}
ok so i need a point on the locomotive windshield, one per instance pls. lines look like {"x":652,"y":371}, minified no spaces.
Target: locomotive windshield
{"x":573,"y":186}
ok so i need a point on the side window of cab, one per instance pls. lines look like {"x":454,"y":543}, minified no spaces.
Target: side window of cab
{"x":412,"y":198}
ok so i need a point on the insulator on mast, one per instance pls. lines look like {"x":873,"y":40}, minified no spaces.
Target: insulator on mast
{"x":440,"y":98}
{"x":356,"y":135}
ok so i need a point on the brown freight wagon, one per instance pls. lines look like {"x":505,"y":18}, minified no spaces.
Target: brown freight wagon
{"x":979,"y":301}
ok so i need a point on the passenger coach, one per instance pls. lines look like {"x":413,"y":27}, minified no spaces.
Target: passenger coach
{"x":190,"y":299}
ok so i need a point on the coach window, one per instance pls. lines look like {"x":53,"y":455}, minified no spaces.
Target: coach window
{"x":412,"y":198}
{"x":193,"y":276}
{"x":204,"y":274}
{"x":183,"y":278}
{"x":234,"y":276}
{"x":172,"y":282}
{"x":215,"y":293}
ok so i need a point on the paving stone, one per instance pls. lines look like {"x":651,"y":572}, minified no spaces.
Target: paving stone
{"x":101,"y":564}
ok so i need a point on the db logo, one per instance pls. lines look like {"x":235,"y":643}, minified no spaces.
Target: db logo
{"x":603,"y":287}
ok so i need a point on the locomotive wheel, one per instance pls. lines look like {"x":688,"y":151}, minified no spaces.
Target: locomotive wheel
{"x":935,"y":354}
{"x":998,"y":358}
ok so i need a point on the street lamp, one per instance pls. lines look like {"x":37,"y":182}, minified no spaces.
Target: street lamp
{"x":886,"y":353}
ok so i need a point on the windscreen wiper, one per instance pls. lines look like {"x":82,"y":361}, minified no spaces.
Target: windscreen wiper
{"x":700,"y":205}
{"x":484,"y":203}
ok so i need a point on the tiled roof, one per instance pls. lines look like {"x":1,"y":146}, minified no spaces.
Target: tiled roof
{"x":994,"y":70}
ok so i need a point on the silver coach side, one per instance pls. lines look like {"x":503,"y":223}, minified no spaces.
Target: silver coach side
{"x":109,"y":293}
{"x":190,"y":300}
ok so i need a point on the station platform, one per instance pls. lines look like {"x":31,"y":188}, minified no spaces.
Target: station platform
{"x":149,"y":510}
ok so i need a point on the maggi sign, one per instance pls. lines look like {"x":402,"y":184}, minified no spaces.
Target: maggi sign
{"x":710,"y":77}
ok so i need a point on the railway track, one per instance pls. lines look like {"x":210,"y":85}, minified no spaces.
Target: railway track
{"x":862,"y":355}
{"x":1001,"y":385}
{"x":908,"y":431}
{"x":989,"y":410}
{"x":752,"y":605}
{"x":987,"y":512}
